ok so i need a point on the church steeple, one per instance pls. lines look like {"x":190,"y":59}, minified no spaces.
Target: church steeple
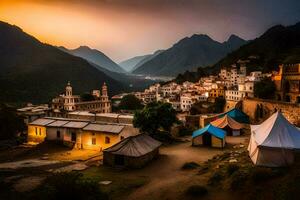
{"x":104,"y":90}
{"x":69,"y":89}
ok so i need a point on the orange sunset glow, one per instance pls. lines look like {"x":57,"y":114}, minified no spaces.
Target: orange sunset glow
{"x":123,"y":29}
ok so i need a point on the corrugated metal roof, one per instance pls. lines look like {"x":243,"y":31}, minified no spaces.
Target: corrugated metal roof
{"x":57,"y":123}
{"x":135,"y":146}
{"x":42,"y":122}
{"x":75,"y":124}
{"x":108,"y":128}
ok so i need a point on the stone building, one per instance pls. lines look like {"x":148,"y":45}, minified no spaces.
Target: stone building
{"x":287,"y":82}
{"x":69,"y":102}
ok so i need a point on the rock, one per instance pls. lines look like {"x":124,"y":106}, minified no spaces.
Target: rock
{"x":105,"y":182}
{"x":232,"y":160}
{"x":242,"y":146}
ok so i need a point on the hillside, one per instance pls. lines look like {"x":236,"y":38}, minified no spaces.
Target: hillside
{"x":135,"y":62}
{"x":35,"y":72}
{"x":94,"y":56}
{"x":188,"y":54}
{"x":129,"y":64}
{"x":277,"y":45}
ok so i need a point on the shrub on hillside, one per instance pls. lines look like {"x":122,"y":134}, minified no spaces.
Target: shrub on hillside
{"x":196,"y":191}
{"x":238,"y":179}
{"x":215,"y":178}
{"x":231,"y":168}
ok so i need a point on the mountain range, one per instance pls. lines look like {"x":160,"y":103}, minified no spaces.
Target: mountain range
{"x":31,"y":71}
{"x":278,"y":45}
{"x":135,"y":62}
{"x":188,"y":54}
{"x":94,"y":56}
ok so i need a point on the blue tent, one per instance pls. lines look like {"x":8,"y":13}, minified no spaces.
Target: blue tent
{"x":237,"y":115}
{"x":217,"y":132}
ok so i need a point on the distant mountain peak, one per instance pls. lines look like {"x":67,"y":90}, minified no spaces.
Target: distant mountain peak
{"x":234,"y":37}
{"x":95,"y":56}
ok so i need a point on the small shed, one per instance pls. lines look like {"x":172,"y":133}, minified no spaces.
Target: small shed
{"x":232,"y":127}
{"x":209,"y":136}
{"x":132,"y":152}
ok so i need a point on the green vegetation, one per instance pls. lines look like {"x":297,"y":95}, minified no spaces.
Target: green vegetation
{"x":130,"y":102}
{"x":10,"y":123}
{"x":191,"y":76}
{"x":208,"y":107}
{"x":70,"y":185}
{"x":87,"y":97}
{"x":155,"y":117}
{"x":264,"y":89}
{"x":219,"y":104}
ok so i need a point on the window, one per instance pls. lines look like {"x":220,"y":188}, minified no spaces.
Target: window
{"x":58,"y":134}
{"x":93,"y":141}
{"x":93,"y":134}
{"x":36,"y":131}
{"x":107,"y":140}
{"x":40,"y":131}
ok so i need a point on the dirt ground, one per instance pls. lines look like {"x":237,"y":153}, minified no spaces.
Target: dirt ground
{"x":161,"y":179}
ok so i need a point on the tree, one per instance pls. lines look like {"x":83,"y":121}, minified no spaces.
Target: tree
{"x":265,"y":89}
{"x":219,"y":104}
{"x":87,"y":97}
{"x":130,"y":102}
{"x":155,"y":116}
{"x":10,"y":122}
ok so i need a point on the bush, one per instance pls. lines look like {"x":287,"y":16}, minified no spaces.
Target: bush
{"x":184,"y":131}
{"x":70,"y":185}
{"x":231,"y":168}
{"x":196,"y":191}
{"x":215,"y":178}
{"x":190,"y":165}
{"x":238,"y":179}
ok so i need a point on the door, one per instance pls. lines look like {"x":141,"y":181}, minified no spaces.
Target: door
{"x":206,"y":139}
{"x":73,"y":137}
{"x":119,"y":160}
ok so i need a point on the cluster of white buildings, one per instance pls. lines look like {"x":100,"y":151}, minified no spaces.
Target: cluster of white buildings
{"x":232,"y":83}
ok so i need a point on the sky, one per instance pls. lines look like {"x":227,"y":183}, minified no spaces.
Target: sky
{"x":126,"y":28}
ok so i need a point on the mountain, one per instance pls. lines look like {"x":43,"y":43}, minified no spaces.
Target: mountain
{"x":31,"y":71}
{"x":128,"y":65}
{"x":135,"y":62}
{"x":146,"y":59}
{"x":94,"y":56}
{"x":188,"y":54}
{"x":280,"y":44}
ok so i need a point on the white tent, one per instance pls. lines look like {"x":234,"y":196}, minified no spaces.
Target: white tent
{"x":272,"y":142}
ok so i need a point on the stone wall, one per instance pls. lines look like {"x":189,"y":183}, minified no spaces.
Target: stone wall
{"x":259,"y":110}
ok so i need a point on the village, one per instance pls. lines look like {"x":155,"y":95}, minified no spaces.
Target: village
{"x":129,"y":162}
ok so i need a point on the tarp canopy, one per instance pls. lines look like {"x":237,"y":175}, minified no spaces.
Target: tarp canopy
{"x":226,"y":120}
{"x":237,"y":115}
{"x":215,"y":131}
{"x":135,"y":146}
{"x":272,"y":142}
{"x":276,"y":132}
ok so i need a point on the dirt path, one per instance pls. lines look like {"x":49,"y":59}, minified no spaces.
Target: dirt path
{"x":166,"y":174}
